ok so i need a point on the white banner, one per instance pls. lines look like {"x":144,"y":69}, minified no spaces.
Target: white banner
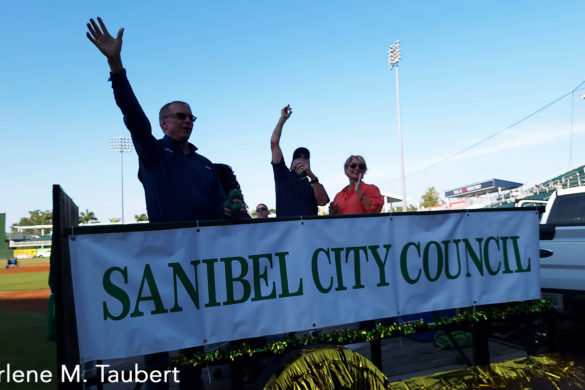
{"x":162,"y":290}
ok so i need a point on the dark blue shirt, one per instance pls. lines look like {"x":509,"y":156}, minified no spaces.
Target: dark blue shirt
{"x":177,"y":186}
{"x":294,"y":194}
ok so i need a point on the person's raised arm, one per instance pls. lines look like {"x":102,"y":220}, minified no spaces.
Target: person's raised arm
{"x":109,"y":46}
{"x":318,"y":189}
{"x":134,"y":117}
{"x":275,"y":139}
{"x":320,"y":194}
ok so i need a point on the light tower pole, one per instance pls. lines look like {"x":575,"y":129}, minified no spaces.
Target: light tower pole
{"x":121,"y":145}
{"x":393,"y":60}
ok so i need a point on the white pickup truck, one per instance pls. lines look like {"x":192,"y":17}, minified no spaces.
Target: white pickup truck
{"x":562,"y":231}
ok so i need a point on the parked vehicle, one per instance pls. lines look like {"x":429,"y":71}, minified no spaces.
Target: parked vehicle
{"x":562,"y":231}
{"x":44,"y":252}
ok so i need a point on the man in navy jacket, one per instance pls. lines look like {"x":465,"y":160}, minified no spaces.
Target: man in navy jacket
{"x":179,"y":183}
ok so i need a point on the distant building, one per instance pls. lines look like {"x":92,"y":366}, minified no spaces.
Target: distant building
{"x":36,"y":243}
{"x":484,"y":187}
{"x":476,"y":195}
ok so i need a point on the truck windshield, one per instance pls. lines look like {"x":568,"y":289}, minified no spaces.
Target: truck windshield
{"x":568,"y":210}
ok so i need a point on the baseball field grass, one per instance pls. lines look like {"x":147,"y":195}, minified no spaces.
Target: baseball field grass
{"x":23,"y":323}
{"x":23,"y":281}
{"x":32,"y":262}
{"x":24,"y":347}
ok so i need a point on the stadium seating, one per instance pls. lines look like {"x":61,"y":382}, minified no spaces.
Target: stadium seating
{"x":573,"y":178}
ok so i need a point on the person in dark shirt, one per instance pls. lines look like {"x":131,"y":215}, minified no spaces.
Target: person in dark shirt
{"x":229,"y":182}
{"x":179,"y":183}
{"x":295,"y":194}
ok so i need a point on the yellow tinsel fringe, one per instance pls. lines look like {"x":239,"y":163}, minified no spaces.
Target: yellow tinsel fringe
{"x":328,"y":368}
{"x":516,"y":374}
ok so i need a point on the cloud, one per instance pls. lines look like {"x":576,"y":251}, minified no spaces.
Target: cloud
{"x":517,"y":142}
{"x":512,"y":140}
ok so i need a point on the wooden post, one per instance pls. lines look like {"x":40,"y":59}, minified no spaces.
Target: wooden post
{"x":480,"y":346}
{"x":237,"y":375}
{"x":65,"y":215}
{"x":550,"y":322}
{"x":375,"y":346}
{"x":376,"y":353}
{"x":530,"y":336}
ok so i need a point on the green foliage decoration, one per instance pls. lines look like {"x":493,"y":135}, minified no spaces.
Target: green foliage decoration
{"x":465,"y":317}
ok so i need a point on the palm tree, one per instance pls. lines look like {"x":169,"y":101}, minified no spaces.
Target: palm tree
{"x":87,"y":217}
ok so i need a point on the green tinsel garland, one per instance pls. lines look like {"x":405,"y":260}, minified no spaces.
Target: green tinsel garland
{"x":239,"y":351}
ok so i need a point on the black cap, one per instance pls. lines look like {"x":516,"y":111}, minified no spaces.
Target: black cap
{"x":301,"y":151}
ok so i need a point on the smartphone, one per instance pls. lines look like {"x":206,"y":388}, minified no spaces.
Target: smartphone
{"x":303,"y":173}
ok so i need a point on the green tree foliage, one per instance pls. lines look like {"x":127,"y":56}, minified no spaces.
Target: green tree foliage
{"x":114,"y":220}
{"x":37,"y":217}
{"x":410,"y":207}
{"x":141,"y":217}
{"x":87,"y":217}
{"x":430,"y":198}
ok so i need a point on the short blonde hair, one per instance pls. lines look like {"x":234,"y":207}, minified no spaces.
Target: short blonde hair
{"x":360,"y":159}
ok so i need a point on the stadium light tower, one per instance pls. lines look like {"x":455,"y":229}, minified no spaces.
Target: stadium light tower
{"x":393,"y":60}
{"x":121,"y":145}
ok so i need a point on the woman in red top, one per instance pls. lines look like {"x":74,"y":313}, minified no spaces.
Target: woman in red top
{"x":358,"y":197}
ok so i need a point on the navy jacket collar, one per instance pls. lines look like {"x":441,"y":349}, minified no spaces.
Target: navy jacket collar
{"x":174,"y":144}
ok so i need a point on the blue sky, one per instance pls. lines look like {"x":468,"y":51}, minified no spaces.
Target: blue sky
{"x":468,"y":70}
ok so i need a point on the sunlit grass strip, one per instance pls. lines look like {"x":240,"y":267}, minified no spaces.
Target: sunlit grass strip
{"x":24,"y":281}
{"x":34,"y":262}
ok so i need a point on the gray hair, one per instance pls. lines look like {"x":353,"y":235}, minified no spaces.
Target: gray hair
{"x":164,"y":111}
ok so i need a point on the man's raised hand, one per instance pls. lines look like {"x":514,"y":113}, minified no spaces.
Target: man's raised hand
{"x":109,"y":46}
{"x":285,"y":112}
